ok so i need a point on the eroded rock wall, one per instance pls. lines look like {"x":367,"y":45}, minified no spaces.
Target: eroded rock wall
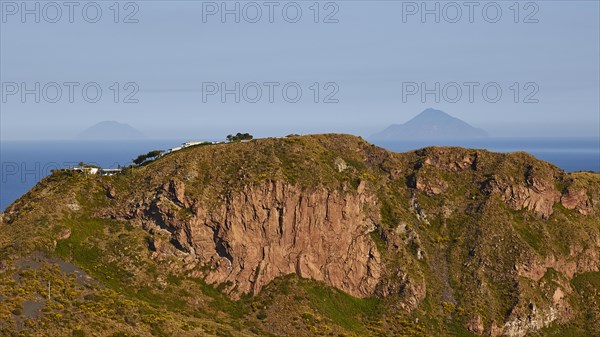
{"x":274,"y":229}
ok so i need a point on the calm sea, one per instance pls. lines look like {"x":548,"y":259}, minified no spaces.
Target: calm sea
{"x":24,"y":163}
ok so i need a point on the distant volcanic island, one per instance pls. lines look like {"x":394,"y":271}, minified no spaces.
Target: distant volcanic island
{"x":430,"y":124}
{"x":110,"y":130}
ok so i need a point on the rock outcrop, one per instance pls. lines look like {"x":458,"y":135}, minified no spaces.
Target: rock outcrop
{"x":576,"y":199}
{"x":271,"y":230}
{"x":537,"y":196}
{"x":430,"y":186}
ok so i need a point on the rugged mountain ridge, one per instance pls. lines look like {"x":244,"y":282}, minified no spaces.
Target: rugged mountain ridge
{"x":274,"y":229}
{"x":486,"y":243}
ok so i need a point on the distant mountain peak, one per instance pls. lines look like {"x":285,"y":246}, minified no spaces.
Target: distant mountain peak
{"x":110,"y":130}
{"x":436,"y":113}
{"x":433,"y":112}
{"x":430,"y":124}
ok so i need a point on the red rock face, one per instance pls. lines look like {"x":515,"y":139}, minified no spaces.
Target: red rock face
{"x":431,"y":187}
{"x":538,"y":201}
{"x":538,"y":197}
{"x":577,"y":199}
{"x":275,"y":229}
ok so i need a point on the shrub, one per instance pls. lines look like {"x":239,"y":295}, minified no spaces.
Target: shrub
{"x":78,"y":333}
{"x":239,"y":137}
{"x":261,"y":315}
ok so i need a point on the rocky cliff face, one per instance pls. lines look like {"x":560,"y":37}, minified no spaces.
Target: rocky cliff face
{"x":539,"y":195}
{"x":274,"y":229}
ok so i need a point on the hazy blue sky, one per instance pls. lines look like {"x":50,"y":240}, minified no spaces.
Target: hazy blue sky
{"x":370,"y":56}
